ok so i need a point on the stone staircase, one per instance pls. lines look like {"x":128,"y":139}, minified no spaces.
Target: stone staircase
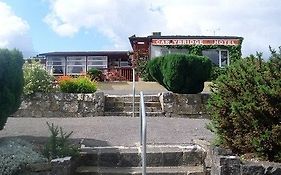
{"x":161,"y":160}
{"x":123,"y":105}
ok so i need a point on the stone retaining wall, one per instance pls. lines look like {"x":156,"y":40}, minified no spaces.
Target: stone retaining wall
{"x":62,"y":105}
{"x":184,"y":105}
{"x":225,"y":163}
{"x":90,"y":105}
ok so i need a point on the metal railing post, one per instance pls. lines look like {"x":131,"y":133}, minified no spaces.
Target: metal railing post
{"x":134,"y":92}
{"x":143,"y":133}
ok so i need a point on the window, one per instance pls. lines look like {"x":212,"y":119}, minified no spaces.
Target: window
{"x":96,"y":62}
{"x":76,"y":65}
{"x":160,"y":51}
{"x":218,"y":57}
{"x":56,"y":65}
{"x":224,"y":58}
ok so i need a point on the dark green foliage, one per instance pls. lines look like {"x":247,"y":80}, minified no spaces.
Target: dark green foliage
{"x":143,"y":71}
{"x":246,"y":107}
{"x":11,"y":83}
{"x":95,"y":74}
{"x":216,"y":71}
{"x":181,"y":73}
{"x":58,"y":145}
{"x":78,"y":85}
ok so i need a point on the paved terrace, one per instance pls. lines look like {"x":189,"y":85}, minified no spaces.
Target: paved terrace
{"x":111,"y":131}
{"x":114,"y":131}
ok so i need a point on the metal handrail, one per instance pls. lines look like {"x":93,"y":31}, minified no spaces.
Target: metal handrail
{"x":142,"y":133}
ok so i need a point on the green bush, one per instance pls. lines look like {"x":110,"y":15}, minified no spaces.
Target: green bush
{"x":11,"y":83}
{"x":15,"y":154}
{"x":142,"y":70}
{"x":246,"y":107}
{"x":181,"y":73}
{"x":78,"y":85}
{"x":216,"y":71}
{"x":58,"y":145}
{"x":95,"y":74}
{"x":36,"y":78}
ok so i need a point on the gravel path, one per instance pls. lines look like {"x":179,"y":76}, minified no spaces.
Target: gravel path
{"x":114,"y":131}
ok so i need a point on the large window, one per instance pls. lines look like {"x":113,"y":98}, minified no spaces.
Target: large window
{"x":96,"y":62}
{"x":56,"y":65}
{"x":160,"y":51}
{"x":76,"y":65}
{"x":218,"y":57}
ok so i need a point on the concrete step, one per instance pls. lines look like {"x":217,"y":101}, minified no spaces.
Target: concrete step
{"x":124,"y":113}
{"x":129,"y":98}
{"x":130,"y":108}
{"x":93,"y":170}
{"x":157,"y":156}
{"x":127,"y":106}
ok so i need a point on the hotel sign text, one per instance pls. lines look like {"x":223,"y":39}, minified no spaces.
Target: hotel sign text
{"x":163,"y":42}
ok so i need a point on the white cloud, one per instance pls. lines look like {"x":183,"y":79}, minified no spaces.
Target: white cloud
{"x":255,"y":20}
{"x":13,"y":31}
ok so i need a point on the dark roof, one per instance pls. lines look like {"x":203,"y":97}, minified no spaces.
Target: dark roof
{"x":85,"y":53}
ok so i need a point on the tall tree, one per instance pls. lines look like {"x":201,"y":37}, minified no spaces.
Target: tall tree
{"x":11,"y":83}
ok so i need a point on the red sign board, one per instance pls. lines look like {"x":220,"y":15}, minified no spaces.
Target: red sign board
{"x":165,"y":42}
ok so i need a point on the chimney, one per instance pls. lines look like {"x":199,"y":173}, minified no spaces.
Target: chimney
{"x":156,"y":33}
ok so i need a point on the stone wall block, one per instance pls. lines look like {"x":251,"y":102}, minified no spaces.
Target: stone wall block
{"x":43,"y":105}
{"x":70,"y":106}
{"x":70,"y":96}
{"x":39,"y":96}
{"x":36,"y":113}
{"x":57,"y":96}
{"x":253,"y":169}
{"x":168,"y":97}
{"x":89,"y":97}
{"x":25,"y":104}
{"x":87,"y":107}
{"x":205,"y":97}
{"x":230,"y":165}
{"x":56,"y":106}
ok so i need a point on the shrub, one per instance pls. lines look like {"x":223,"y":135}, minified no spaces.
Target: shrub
{"x":15,"y":154}
{"x":11,"y":83}
{"x":181,"y":73}
{"x":246,"y":107}
{"x":216,"y":71}
{"x":143,"y":71}
{"x":78,"y":85}
{"x":36,"y":78}
{"x":95,"y":74}
{"x":58,"y":145}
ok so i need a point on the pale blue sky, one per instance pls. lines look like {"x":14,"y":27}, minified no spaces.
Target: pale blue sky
{"x":37,"y":26}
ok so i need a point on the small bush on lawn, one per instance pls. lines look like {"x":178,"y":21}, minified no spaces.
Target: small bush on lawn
{"x":246,"y":107}
{"x":78,"y":85}
{"x":15,"y":154}
{"x":181,"y":73}
{"x":36,"y":78}
{"x":58,"y":145}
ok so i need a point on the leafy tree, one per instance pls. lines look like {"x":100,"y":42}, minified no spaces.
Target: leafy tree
{"x":246,"y":107}
{"x":11,"y":83}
